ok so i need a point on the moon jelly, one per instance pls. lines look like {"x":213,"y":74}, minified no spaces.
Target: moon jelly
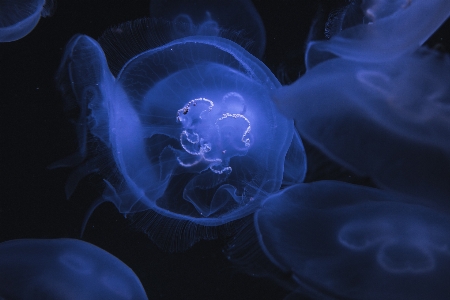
{"x":19,"y":17}
{"x":389,"y":121}
{"x":189,"y":125}
{"x":342,"y":241}
{"x":388,"y":29}
{"x":64,"y":269}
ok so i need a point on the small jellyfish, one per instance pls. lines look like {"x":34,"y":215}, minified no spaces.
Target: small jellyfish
{"x":189,"y":127}
{"x":387,"y":30}
{"x":64,"y":269}
{"x":19,"y":17}
{"x":388,"y":120}
{"x":343,"y":241}
{"x":236,"y":19}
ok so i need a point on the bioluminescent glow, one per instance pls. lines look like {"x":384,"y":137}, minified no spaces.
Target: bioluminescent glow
{"x":188,"y":124}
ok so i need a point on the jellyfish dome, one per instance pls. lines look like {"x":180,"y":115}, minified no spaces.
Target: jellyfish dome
{"x":188,"y":125}
{"x":64,"y":269}
{"x":391,"y":121}
{"x":342,"y":241}
{"x":19,"y":17}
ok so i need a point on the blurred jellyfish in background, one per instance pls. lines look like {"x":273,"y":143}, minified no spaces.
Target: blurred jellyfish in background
{"x":381,"y":114}
{"x":341,"y":241}
{"x":387,"y":29}
{"x":389,"y":121}
{"x":64,"y":269}
{"x":238,"y":20}
{"x":19,"y":17}
{"x":187,"y":131}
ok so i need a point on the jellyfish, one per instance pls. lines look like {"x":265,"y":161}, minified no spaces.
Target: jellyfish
{"x":389,"y":121}
{"x":343,"y":241}
{"x":237,"y":20}
{"x":187,"y":128}
{"x":19,"y":17}
{"x":64,"y":269}
{"x":386,"y":30}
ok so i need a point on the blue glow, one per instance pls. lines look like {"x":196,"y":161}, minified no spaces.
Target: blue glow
{"x":356,"y":242}
{"x":64,"y":269}
{"x":18,"y":18}
{"x":189,"y":125}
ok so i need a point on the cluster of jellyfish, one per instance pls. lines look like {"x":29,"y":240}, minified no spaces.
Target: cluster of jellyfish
{"x":196,"y":134}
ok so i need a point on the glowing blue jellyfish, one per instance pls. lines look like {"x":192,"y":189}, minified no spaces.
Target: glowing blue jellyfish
{"x":389,"y":121}
{"x":383,"y":114}
{"x":342,"y":241}
{"x":19,"y":17}
{"x":236,"y":19}
{"x":387,"y":30}
{"x":64,"y":269}
{"x":191,"y":129}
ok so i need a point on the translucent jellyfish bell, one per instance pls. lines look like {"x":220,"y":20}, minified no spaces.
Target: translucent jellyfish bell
{"x":236,"y":18}
{"x":389,"y":121}
{"x":64,"y":269}
{"x":19,"y":17}
{"x":189,"y":126}
{"x":342,"y":241}
{"x":387,"y":30}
